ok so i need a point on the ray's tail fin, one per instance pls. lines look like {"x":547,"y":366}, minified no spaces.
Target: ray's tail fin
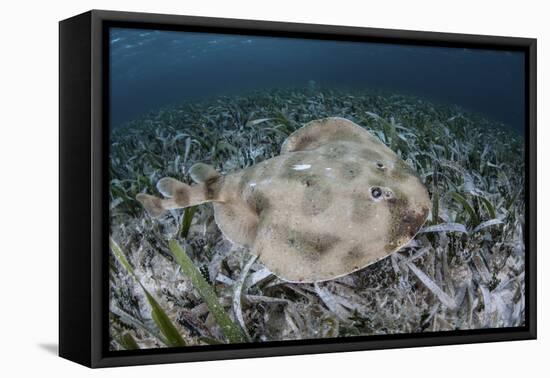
{"x":179,"y":195}
{"x":155,"y":206}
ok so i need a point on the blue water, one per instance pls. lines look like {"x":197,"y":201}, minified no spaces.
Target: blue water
{"x":152,"y":69}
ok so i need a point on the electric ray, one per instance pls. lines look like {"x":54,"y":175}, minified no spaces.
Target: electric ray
{"x":334,"y":201}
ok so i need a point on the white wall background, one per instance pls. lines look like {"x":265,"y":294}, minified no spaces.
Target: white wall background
{"x":29,"y":189}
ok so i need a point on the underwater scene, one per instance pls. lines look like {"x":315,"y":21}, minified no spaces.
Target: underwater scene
{"x":273,"y":188}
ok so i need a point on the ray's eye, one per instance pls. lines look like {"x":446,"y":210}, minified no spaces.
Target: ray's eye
{"x":376,"y":192}
{"x":380,"y":166}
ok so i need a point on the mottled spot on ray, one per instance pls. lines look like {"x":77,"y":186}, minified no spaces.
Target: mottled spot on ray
{"x":317,"y":196}
{"x":258,"y":202}
{"x":335,"y":152}
{"x":350,"y":170}
{"x":405,"y":222}
{"x":181,"y":196}
{"x":352,"y":258}
{"x":309,"y":245}
{"x":212,"y":188}
{"x":304,"y":142}
{"x":370,"y":154}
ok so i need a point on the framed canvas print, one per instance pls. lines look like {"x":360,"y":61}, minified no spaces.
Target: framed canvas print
{"x":233,"y":188}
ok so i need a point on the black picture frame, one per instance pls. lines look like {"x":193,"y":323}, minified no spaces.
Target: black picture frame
{"x":83,"y":141}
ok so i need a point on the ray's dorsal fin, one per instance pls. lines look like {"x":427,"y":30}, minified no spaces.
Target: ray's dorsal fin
{"x":319,"y":132}
{"x":201,"y":172}
{"x":171,"y":188}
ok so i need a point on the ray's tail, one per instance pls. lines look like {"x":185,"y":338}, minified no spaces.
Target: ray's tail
{"x":178,"y":195}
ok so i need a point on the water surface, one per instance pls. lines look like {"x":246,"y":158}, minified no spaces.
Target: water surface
{"x":152,"y":69}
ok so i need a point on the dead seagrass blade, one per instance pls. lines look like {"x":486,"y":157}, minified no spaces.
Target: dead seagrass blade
{"x":335,"y":201}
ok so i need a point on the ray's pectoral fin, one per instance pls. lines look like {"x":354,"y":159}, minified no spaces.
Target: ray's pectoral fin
{"x":180,"y":195}
{"x":237,"y":222}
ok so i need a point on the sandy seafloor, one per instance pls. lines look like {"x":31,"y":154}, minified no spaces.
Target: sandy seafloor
{"x":465,"y":270}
